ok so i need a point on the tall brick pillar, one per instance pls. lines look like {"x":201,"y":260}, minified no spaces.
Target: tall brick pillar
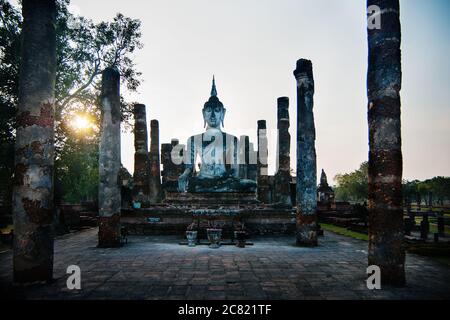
{"x":384,"y":81}
{"x":244,"y":149}
{"x":141,"y":159}
{"x":262,"y":177}
{"x":32,"y":205}
{"x":155,"y":168}
{"x":306,"y":156}
{"x":282,"y":192}
{"x":109,"y":197}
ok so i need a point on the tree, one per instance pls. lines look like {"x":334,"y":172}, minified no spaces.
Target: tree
{"x":10,"y":23}
{"x":410,"y":191}
{"x":352,"y":186}
{"x":440,"y":187}
{"x":84,"y":49}
{"x":76,"y":173}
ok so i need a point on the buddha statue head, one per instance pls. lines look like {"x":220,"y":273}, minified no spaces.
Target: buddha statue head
{"x":213,"y":110}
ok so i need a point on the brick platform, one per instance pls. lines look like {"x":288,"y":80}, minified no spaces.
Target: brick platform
{"x":173,"y":220}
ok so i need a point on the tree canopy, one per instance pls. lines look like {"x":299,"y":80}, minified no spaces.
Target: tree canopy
{"x":436,"y":190}
{"x":353,"y":187}
{"x":84,"y":50}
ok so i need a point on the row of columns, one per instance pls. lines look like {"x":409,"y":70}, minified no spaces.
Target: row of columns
{"x":147,"y":183}
{"x":306,"y":192}
{"x":33,"y":206}
{"x":385,"y":196}
{"x":146,"y":176}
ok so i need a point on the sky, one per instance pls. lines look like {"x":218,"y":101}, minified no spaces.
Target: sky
{"x":251,"y":46}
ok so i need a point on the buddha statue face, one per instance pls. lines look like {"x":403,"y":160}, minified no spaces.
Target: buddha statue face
{"x":214,"y":113}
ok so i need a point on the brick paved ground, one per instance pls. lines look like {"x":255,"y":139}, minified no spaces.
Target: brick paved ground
{"x":159,"y":268}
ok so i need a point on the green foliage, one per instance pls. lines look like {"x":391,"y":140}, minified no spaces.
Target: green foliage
{"x":10,"y":22}
{"x":361,"y":212}
{"x":84,"y":50}
{"x":344,"y":232}
{"x":76,"y":173}
{"x":436,"y":189}
{"x":352,"y":186}
{"x":440,"y":187}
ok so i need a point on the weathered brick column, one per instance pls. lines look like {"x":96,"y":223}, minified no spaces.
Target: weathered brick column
{"x":141,"y":158}
{"x":244,"y":154}
{"x":33,"y":208}
{"x":283,"y":175}
{"x":385,"y":153}
{"x":166,"y":149}
{"x":262,"y":177}
{"x":109,"y":198}
{"x":252,"y":172}
{"x":155,"y":170}
{"x":306,"y":156}
{"x":173,"y":167}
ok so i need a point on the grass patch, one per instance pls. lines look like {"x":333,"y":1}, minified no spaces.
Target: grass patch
{"x":344,"y":232}
{"x":440,"y":255}
{"x":433,"y":225}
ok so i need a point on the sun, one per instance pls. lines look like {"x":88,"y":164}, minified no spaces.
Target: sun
{"x":81,"y":122}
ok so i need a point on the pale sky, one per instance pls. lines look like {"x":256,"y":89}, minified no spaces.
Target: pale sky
{"x":252,"y":46}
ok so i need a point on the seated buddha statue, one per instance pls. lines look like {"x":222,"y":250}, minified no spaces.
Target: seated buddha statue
{"x":218,"y":151}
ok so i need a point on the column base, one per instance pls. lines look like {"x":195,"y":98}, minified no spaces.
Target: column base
{"x":33,"y":255}
{"x":306,"y":233}
{"x":38,"y":274}
{"x":109,"y":232}
{"x":392,"y":275}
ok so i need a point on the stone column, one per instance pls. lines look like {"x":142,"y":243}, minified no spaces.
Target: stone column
{"x":166,"y":148}
{"x":244,"y":149}
{"x":252,"y":172}
{"x":306,"y":156}
{"x":177,"y":160}
{"x":33,"y":210}
{"x":155,"y":168}
{"x":173,"y":166}
{"x":141,"y":159}
{"x":109,"y":197}
{"x":283,"y":174}
{"x":385,"y":152}
{"x":263,"y":174}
